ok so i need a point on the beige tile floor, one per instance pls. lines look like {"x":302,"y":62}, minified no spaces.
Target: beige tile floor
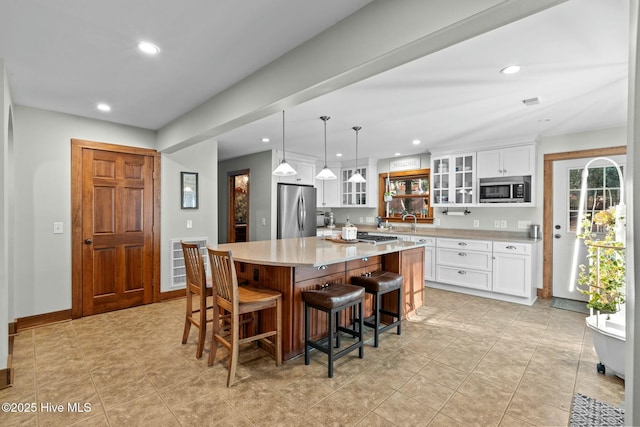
{"x":460,"y":361}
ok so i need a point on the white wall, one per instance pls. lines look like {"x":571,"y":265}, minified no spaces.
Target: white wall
{"x":42,"y":143}
{"x":6,"y":232}
{"x":203,"y":159}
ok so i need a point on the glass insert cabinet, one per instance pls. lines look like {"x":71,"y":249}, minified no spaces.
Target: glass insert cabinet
{"x":405,"y":192}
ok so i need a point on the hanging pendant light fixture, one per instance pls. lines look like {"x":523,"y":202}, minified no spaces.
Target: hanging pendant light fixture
{"x":325,"y":173}
{"x":284,"y":168}
{"x":356,"y":177}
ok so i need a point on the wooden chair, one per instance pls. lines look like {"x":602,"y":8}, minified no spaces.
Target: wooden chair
{"x":196,"y":282}
{"x":240,"y":301}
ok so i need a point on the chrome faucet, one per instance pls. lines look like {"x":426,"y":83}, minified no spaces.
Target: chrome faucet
{"x":414,"y":227}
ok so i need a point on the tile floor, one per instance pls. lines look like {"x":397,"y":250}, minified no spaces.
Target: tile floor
{"x":461,"y":361}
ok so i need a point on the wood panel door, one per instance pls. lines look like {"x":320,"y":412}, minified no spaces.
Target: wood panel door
{"x":114,"y":244}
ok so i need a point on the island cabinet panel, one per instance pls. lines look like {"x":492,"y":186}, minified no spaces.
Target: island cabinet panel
{"x":279,"y":279}
{"x":410,"y":264}
{"x":318,"y":319}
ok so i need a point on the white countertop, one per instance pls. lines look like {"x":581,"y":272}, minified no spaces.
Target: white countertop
{"x":308,"y":251}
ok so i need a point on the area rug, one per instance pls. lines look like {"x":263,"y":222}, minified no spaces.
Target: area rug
{"x":569,"y":304}
{"x":589,"y":412}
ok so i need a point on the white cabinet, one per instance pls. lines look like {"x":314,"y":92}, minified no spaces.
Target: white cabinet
{"x":511,"y":161}
{"x":453,"y":180}
{"x":465,"y":263}
{"x":500,"y":270}
{"x":328,"y":192}
{"x":359,"y":194}
{"x":512,"y":268}
{"x":305,"y":166}
{"x":429,"y":256}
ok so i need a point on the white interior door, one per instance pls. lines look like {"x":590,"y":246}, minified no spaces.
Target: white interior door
{"x":602,"y":193}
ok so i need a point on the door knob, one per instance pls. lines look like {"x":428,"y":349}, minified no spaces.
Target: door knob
{"x":557,"y":236}
{"x":88,"y":241}
{"x":557,"y":227}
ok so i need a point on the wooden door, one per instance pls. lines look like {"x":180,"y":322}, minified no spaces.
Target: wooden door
{"x":116,"y":247}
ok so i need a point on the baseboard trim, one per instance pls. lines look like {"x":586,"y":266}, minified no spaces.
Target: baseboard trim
{"x":28,"y":322}
{"x":6,"y":378}
{"x":179,"y":293}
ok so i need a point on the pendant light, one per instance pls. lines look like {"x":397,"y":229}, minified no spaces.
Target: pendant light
{"x":356,"y":177}
{"x":284,"y":168}
{"x":325,"y":173}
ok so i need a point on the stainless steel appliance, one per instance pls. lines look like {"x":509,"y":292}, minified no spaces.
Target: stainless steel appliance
{"x":296,"y":211}
{"x":505,"y":190}
{"x":365,"y":237}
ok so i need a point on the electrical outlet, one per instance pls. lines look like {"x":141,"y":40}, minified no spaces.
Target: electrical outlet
{"x":264,"y":222}
{"x":436,"y":221}
{"x":503,"y":223}
{"x":524,"y":224}
{"x":476,"y":223}
{"x":189,"y":223}
{"x":496,"y":223}
{"x":57,"y":228}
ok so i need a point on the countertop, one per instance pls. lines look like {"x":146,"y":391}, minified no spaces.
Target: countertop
{"x":455,"y":233}
{"x":308,"y":251}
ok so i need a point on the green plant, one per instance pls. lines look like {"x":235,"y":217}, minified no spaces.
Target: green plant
{"x":603,"y":278}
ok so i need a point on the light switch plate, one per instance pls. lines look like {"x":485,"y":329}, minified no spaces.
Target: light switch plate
{"x":189,"y":223}
{"x":496,"y":223}
{"x":476,"y":223}
{"x":57,"y":228}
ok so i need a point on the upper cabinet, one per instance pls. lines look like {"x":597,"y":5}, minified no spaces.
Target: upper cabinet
{"x":511,"y":161}
{"x":306,"y":168}
{"x":359,"y":194}
{"x":453,"y":180}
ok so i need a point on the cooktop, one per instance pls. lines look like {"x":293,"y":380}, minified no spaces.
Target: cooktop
{"x":364,"y":236}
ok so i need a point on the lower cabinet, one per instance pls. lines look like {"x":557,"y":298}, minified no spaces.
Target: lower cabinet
{"x":429,"y":256}
{"x":500,"y":270}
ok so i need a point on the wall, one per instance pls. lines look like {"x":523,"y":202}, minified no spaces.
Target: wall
{"x":6,"y":232}
{"x":42,"y":144}
{"x":201,"y":158}
{"x":261,"y":189}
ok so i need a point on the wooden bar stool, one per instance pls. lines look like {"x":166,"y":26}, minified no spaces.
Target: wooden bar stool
{"x":196,"y":285}
{"x":379,"y":283}
{"x":333,"y":299}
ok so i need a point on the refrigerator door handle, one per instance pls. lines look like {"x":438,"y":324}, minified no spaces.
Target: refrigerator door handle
{"x":304,"y":213}
{"x":299,"y":213}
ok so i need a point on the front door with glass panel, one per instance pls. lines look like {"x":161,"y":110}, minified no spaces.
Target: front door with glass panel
{"x":603,"y":192}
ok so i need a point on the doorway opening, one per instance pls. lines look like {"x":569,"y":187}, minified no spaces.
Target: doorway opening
{"x":239,"y":206}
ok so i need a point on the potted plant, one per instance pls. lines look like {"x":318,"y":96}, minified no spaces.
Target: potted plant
{"x":603,"y":278}
{"x":388,"y":196}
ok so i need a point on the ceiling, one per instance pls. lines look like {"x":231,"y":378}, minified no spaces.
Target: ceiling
{"x":71,"y":55}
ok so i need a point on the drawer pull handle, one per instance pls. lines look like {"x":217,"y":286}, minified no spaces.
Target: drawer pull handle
{"x":462,"y":253}
{"x":462,"y":244}
{"x":511,"y":247}
{"x":365,"y":259}
{"x":322,"y":267}
{"x":462,"y":272}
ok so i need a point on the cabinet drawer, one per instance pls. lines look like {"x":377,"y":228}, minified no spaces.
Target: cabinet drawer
{"x":430,"y":241}
{"x":463,"y":277}
{"x":463,"y":259}
{"x":512,"y":248}
{"x":466,"y":244}
{"x":371,"y":261}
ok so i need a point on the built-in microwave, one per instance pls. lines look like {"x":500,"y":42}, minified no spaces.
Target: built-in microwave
{"x":505,"y":190}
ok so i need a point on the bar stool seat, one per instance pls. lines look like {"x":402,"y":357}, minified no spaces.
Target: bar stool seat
{"x":378,"y":283}
{"x":333,"y":299}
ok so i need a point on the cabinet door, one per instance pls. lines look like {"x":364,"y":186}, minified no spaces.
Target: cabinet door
{"x":518,"y":161}
{"x":463,"y":179}
{"x":512,"y":274}
{"x":440,"y":181}
{"x":354,"y":194}
{"x":328,"y":193}
{"x":489,"y":164}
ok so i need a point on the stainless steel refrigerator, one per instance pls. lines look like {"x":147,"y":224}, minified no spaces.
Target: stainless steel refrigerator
{"x":296,"y":211}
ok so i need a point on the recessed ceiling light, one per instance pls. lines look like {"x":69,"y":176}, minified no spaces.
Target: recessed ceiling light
{"x":396,"y":154}
{"x":338,"y":154}
{"x":511,"y":69}
{"x":416,"y":142}
{"x":148,"y":48}
{"x":104,"y":107}
{"x":265,"y":140}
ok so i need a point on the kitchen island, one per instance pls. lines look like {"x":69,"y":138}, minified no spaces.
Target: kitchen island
{"x":294,"y":265}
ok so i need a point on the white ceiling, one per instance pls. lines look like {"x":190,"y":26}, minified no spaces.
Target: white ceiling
{"x":67,"y":56}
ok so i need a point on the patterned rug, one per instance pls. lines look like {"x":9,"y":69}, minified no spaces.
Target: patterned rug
{"x":569,"y":304}
{"x":589,"y":412}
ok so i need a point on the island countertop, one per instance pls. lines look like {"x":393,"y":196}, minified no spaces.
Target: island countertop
{"x":309,"y":251}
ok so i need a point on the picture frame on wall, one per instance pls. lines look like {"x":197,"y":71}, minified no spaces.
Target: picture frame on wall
{"x":188,"y":190}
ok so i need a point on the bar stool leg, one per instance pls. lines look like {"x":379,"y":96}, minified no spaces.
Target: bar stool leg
{"x":399,"y":330}
{"x":306,"y":334}
{"x":361,"y":329}
{"x":376,"y":319}
{"x":330,"y":343}
{"x":338,"y":329}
